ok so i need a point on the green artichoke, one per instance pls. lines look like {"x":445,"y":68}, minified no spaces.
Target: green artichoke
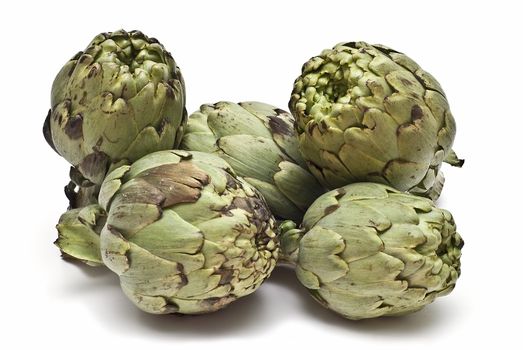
{"x":185,"y":234}
{"x":118,"y":100}
{"x":367,"y":250}
{"x":369,"y":113}
{"x":79,"y":234}
{"x":259,"y":142}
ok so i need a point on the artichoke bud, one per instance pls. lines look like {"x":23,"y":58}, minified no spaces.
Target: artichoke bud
{"x":118,"y":100}
{"x":290,"y":237}
{"x":184,"y":233}
{"x":369,"y":113}
{"x":260,"y":144}
{"x":367,"y":250}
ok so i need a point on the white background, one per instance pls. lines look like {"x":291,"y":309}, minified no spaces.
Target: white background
{"x":254,"y":51}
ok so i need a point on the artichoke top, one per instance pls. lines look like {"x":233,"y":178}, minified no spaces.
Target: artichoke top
{"x":185,"y":234}
{"x":119,"y":99}
{"x":367,"y":250}
{"x":259,"y":142}
{"x":369,"y":113}
{"x":355,"y":76}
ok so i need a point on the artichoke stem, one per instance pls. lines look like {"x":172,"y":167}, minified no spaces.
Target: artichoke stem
{"x":452,"y":159}
{"x":80,"y":191}
{"x":80,"y":197}
{"x":286,"y":261}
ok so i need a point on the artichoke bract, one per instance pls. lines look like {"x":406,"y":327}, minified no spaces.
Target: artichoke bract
{"x":118,"y":100}
{"x":367,"y":250}
{"x":369,"y":113}
{"x":79,"y":234}
{"x":259,"y":142}
{"x":185,"y":234}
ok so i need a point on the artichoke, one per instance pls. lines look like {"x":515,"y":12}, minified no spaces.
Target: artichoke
{"x":259,"y":142}
{"x":367,"y":250}
{"x":369,"y":113}
{"x":79,"y":234}
{"x":118,"y":100}
{"x":185,"y":234}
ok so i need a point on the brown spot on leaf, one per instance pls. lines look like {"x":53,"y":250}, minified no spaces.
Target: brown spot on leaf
{"x":406,"y":82}
{"x":231,"y":181}
{"x":160,"y":127}
{"x":279,"y":126}
{"x":310,"y":127}
{"x":74,"y":127}
{"x":169,"y":90}
{"x":71,"y":70}
{"x":99,"y":142}
{"x":82,"y":59}
{"x":111,"y":229}
{"x":183,"y":275}
{"x":178,"y":182}
{"x":241,"y":203}
{"x":416,"y":113}
{"x":226,"y":276}
{"x":259,"y":216}
{"x":213,"y":304}
{"x":83,"y":99}
{"x":351,"y":44}
{"x":253,"y":205}
{"x":140,"y":191}
{"x":93,"y":71}
{"x":94,"y":166}
{"x":385,"y":50}
{"x":330,"y":209}
{"x":341,"y":192}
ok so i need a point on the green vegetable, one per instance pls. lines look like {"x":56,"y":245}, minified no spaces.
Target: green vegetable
{"x":79,"y":234}
{"x":259,"y":142}
{"x":369,"y":113}
{"x":118,"y":100}
{"x":185,"y":234}
{"x":367,"y":250}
